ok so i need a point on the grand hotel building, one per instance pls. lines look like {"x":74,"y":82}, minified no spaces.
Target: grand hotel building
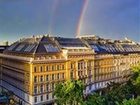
{"x":31,"y":67}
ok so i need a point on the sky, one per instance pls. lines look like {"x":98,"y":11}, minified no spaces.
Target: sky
{"x":113,"y":19}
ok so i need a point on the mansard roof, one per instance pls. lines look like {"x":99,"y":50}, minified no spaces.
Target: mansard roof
{"x":34,"y":45}
{"x":70,"y":42}
{"x":107,"y":46}
{"x":53,"y":45}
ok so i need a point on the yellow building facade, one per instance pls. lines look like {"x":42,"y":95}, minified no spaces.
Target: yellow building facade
{"x":113,"y":60}
{"x":31,"y":67}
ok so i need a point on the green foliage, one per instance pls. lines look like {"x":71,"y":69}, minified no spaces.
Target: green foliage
{"x":136,"y":78}
{"x":70,"y":92}
{"x":119,"y":94}
{"x":95,"y":99}
{"x":131,"y":101}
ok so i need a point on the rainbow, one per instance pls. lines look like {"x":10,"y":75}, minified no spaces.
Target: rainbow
{"x":80,"y":22}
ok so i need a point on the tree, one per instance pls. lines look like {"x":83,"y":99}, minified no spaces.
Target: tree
{"x":95,"y":99}
{"x":69,"y":93}
{"x":136,"y":78}
{"x":131,"y":101}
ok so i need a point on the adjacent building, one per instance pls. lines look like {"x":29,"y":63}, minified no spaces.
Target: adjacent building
{"x":31,"y":67}
{"x":113,"y":60}
{"x":3,"y":46}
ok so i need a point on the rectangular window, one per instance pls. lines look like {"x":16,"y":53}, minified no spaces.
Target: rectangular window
{"x":35,"y":69}
{"x":41,"y":79}
{"x":47,"y":87}
{"x":58,"y":76}
{"x":63,"y":67}
{"x":52,"y":95}
{"x":52,"y":76}
{"x":41,"y":88}
{"x":35,"y":89}
{"x":35,"y":79}
{"x":47,"y":96}
{"x":35,"y":99}
{"x":78,"y":65}
{"x":47,"y":77}
{"x":41,"y":98}
{"x":82,"y":65}
{"x":79,"y":73}
{"x":52,"y":86}
{"x":57,"y":67}
{"x":63,"y":75}
{"x":41,"y":69}
{"x":71,"y":65}
{"x":71,"y":75}
{"x":53,"y":67}
{"x":60,"y":67}
{"x":47,"y":68}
